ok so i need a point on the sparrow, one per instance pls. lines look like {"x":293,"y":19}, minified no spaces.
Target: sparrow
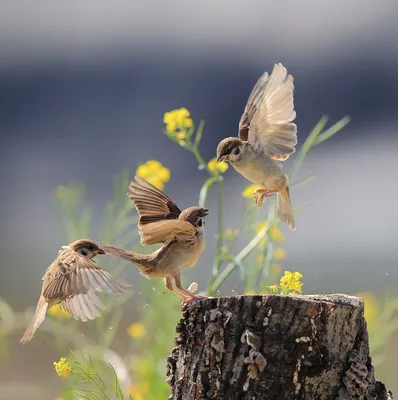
{"x":71,"y":281}
{"x":181,"y":234}
{"x":267,"y":135}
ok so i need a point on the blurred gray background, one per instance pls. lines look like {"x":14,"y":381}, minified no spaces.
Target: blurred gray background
{"x":84,"y":86}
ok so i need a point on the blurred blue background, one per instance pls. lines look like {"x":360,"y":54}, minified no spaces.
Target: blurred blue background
{"x":84,"y":86}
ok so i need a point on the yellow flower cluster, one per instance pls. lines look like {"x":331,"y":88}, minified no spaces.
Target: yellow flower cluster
{"x":154,"y":172}
{"x":58,"y":312}
{"x":260,"y":228}
{"x":62,"y":367}
{"x":248,"y":193}
{"x":216,"y":168}
{"x":291,"y":282}
{"x":136,"y":330}
{"x":276,"y":235}
{"x":177,"y":122}
{"x":231,"y":234}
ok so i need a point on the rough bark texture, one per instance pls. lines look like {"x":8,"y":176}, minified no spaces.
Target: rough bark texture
{"x":273,"y":347}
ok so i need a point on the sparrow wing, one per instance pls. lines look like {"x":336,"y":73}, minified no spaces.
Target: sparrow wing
{"x":151,"y":203}
{"x":271,"y":125}
{"x":255,"y":99}
{"x":165,"y":231}
{"x":73,"y":279}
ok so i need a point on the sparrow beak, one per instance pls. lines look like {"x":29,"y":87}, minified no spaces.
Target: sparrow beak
{"x":221,"y":158}
{"x":206,"y":212}
{"x":100,"y":251}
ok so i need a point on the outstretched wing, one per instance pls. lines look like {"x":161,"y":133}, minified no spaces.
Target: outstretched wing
{"x":74,"y":279}
{"x":255,"y":99}
{"x":271,"y":113}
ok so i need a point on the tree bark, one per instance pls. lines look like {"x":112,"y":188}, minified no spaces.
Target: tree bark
{"x":273,"y":347}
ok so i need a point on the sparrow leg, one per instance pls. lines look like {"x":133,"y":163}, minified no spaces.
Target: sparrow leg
{"x":261,"y":194}
{"x":189,"y":296}
{"x":185,"y":297}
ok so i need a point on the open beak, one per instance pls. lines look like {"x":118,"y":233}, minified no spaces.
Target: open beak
{"x":221,"y":158}
{"x":206,"y":212}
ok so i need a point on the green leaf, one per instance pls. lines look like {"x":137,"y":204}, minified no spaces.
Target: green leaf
{"x":309,"y":142}
{"x":199,"y":133}
{"x":338,"y":126}
{"x":303,"y":181}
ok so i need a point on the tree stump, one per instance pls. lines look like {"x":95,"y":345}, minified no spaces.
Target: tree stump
{"x":273,"y":347}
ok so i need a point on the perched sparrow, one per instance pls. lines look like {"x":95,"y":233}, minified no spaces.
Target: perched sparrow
{"x":161,"y":221}
{"x":267,"y":135}
{"x":71,"y":281}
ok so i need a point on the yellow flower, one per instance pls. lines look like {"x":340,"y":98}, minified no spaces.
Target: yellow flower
{"x":224,"y":250}
{"x":154,"y":172}
{"x":291,"y":282}
{"x":279,"y":254}
{"x":180,"y":135}
{"x":138,"y":391}
{"x":248,"y":193}
{"x":62,"y":367}
{"x":276,"y":235}
{"x":177,"y":121}
{"x":215,"y":168}
{"x":260,"y":228}
{"x":136,"y":330}
{"x":273,"y":288}
{"x":371,"y":307}
{"x":58,"y":312}
{"x":231,"y":233}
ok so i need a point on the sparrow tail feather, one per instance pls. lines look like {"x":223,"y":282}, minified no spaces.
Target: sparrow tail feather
{"x":284,"y":208}
{"x":37,"y":320}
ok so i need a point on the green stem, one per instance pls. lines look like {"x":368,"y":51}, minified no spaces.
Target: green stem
{"x":199,"y":158}
{"x":221,"y":277}
{"x":220,"y":230}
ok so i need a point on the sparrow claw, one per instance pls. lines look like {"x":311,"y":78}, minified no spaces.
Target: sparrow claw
{"x":187,"y":299}
{"x":261,"y":194}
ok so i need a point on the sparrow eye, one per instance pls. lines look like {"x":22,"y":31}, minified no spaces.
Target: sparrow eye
{"x":236,"y":151}
{"x":83,"y":252}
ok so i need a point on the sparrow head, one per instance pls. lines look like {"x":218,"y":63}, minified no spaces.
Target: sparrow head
{"x":86,"y":247}
{"x":229,"y":149}
{"x":195,"y":216}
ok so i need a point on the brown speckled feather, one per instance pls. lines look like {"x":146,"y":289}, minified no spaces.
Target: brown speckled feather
{"x":151,"y":203}
{"x":71,"y":281}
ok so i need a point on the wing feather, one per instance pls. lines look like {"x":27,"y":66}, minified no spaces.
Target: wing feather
{"x":166,"y":231}
{"x":74,"y":279}
{"x":255,"y":99}
{"x":151,"y":203}
{"x":272,"y":113}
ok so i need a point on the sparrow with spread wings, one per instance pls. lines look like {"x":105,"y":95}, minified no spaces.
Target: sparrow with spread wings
{"x":181,"y":234}
{"x":71,"y":281}
{"x":267,"y":135}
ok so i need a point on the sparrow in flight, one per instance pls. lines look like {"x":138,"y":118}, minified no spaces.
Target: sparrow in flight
{"x":71,"y":281}
{"x":181,"y":234}
{"x":267,"y":135}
